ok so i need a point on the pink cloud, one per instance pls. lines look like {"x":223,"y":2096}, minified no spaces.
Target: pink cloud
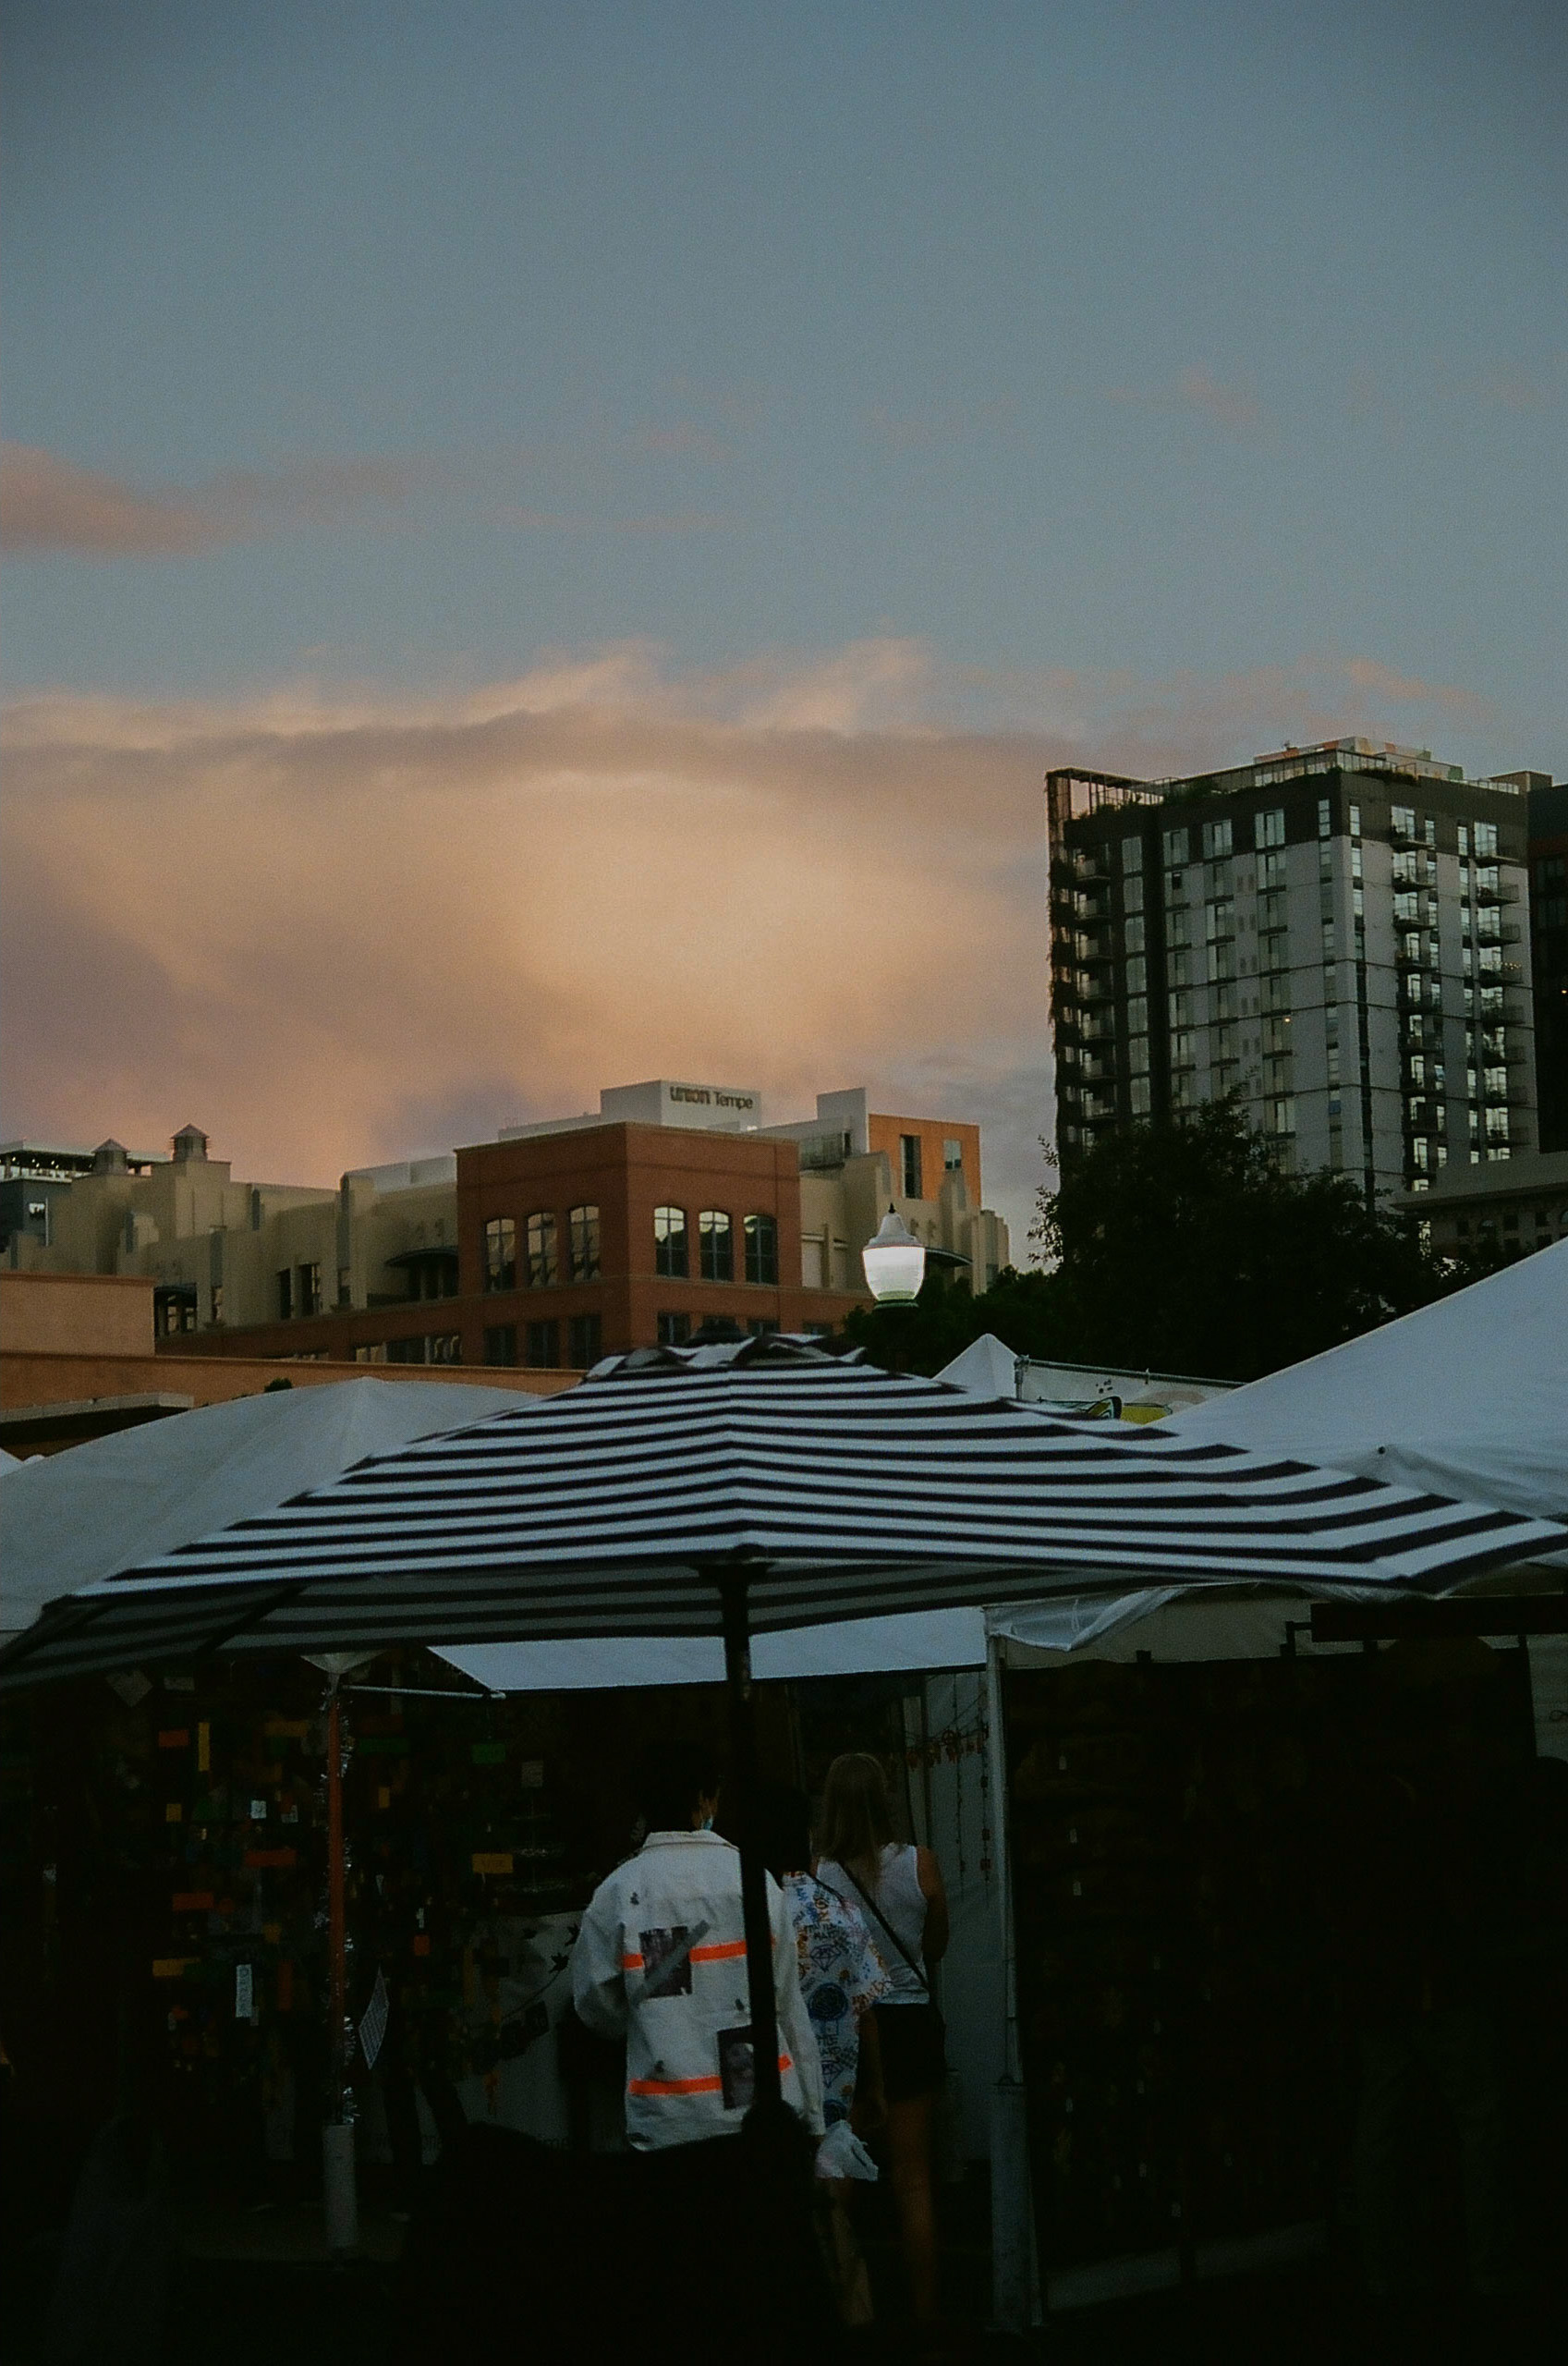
{"x":1228,"y":405}
{"x":559,"y":521}
{"x":742,"y":407}
{"x":49,"y":504}
{"x":496,"y":912}
{"x":947,"y":423}
{"x":1407,"y":689}
{"x":1519,"y":390}
{"x":684,"y":441}
{"x":1157,"y":727}
{"x":317,"y":916}
{"x":1197,"y":389}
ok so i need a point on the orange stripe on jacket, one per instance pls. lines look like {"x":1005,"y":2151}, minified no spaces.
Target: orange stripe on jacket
{"x":674,"y":2086}
{"x":689,"y":2086}
{"x":722,"y":1953}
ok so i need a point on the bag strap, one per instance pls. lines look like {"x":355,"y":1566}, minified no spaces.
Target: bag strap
{"x":881,"y":1918}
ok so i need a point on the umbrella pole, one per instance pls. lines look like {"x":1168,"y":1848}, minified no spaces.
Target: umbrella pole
{"x":753,"y":1872}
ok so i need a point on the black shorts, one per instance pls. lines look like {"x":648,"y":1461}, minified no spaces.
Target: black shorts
{"x":912,"y":2049}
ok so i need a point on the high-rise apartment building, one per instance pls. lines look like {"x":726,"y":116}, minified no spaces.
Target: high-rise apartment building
{"x":1549,"y":947}
{"x":1337,"y":935}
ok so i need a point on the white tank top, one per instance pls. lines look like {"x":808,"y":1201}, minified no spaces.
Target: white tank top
{"x":899,"y":1896}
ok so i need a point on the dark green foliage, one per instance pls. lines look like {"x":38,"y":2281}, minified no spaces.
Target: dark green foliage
{"x":1187,"y":1249}
{"x":1184,"y":1249}
{"x":1020,"y":1308}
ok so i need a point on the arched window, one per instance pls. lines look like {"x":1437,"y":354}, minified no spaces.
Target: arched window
{"x":672,"y":1253}
{"x":715,"y":1241}
{"x":543,"y":1265}
{"x":763,"y":1250}
{"x":500,"y":1254}
{"x":583,"y":1228}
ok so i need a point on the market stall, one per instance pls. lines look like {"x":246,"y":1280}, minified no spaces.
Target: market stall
{"x":929,"y":1500}
{"x":1199,"y":1812}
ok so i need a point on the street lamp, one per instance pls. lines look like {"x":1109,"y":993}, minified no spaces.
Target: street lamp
{"x":895,"y":1263}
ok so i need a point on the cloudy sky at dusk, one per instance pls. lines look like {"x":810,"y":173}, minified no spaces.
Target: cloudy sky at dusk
{"x":553,"y":546}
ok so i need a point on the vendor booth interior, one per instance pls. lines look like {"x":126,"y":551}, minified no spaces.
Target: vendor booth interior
{"x":1197,"y":1830}
{"x":1214,"y":1862}
{"x":165,"y":1868}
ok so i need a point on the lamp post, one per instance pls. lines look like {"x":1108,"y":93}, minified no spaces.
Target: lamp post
{"x":895,"y":1260}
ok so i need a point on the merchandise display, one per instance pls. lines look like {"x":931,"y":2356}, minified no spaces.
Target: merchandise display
{"x":1195,"y":1858}
{"x":164,"y":1864}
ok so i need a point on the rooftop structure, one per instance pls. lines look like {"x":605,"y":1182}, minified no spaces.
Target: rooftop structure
{"x":35,"y":1176}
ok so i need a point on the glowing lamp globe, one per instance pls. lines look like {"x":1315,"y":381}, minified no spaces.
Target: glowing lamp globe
{"x":895,"y":1263}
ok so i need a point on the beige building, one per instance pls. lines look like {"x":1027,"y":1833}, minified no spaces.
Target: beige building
{"x":374,"y":1270}
{"x":855,"y":1164}
{"x":222,"y":1254}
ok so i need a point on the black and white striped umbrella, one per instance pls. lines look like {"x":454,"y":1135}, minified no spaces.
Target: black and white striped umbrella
{"x":769,"y":1485}
{"x":838,"y":1490}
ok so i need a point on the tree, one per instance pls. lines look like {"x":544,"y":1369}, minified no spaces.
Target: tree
{"x":1021,"y":1310}
{"x":1185,"y":1249}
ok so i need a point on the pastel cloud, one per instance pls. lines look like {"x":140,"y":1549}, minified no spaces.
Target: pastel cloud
{"x":1407,"y":689}
{"x":310,"y":926}
{"x":1197,"y":389}
{"x":49,"y":504}
{"x":1230,"y":406}
{"x":948,"y":423}
{"x":51,"y":507}
{"x":684,"y":441}
{"x":1520,"y":390}
{"x":559,"y":521}
{"x":335,"y":925}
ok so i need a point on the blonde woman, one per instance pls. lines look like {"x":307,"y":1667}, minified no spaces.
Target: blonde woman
{"x":899,"y":1890}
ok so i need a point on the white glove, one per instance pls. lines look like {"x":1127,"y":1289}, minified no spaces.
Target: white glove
{"x":841,"y":2154}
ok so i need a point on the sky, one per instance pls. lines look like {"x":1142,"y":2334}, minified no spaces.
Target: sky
{"x":547,"y":546}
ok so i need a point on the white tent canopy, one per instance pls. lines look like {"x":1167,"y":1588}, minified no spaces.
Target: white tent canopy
{"x":812,"y":1489}
{"x":70,"y":1518}
{"x":77,"y":1516}
{"x":1468,"y":1396}
{"x":923,"y":1641}
{"x":985,"y":1368}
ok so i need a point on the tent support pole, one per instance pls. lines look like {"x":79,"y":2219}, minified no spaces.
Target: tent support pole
{"x":337,"y":1929}
{"x":337,"y":2135}
{"x":1014,"y":2276}
{"x":753,"y":1872}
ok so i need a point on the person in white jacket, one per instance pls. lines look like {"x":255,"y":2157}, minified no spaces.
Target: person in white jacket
{"x":661,"y":1960}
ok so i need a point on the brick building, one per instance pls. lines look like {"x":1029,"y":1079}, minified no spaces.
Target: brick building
{"x":545,"y":1248}
{"x":79,"y":1359}
{"x":569,"y":1244}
